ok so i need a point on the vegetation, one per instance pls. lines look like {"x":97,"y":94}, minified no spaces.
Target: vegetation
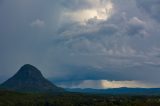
{"x":8,"y":98}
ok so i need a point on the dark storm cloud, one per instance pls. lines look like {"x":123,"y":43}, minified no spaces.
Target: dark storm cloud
{"x":136,"y":27}
{"x":123,"y":47}
{"x":151,"y":7}
{"x":128,"y":23}
{"x":88,"y":73}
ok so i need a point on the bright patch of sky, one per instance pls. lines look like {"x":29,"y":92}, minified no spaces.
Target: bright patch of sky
{"x":100,"y":10}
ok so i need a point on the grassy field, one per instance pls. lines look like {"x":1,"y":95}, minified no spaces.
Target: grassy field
{"x":8,"y":98}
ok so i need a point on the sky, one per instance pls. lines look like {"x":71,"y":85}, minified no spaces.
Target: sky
{"x":83,"y":43}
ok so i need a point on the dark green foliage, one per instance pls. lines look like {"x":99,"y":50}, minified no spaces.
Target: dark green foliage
{"x":8,"y":98}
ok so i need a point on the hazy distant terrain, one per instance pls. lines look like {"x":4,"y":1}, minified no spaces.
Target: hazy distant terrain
{"x":120,"y":91}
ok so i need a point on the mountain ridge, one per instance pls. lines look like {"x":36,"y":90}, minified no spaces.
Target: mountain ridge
{"x":30,"y":79}
{"x":117,"y":91}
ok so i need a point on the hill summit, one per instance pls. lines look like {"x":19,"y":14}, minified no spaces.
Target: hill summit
{"x":30,"y":79}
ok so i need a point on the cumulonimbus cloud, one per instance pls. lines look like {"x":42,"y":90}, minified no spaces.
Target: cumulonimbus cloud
{"x":122,"y":45}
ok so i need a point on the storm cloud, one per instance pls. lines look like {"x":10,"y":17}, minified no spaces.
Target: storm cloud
{"x":73,"y":41}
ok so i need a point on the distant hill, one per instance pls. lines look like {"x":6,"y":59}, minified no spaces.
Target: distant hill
{"x":119,"y":91}
{"x":29,"y":79}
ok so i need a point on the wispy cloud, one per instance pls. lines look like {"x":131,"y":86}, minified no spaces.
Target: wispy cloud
{"x":38,"y":23}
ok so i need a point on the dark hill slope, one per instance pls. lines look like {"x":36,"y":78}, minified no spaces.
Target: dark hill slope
{"x":30,"y":79}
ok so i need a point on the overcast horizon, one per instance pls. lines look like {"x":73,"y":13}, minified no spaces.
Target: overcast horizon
{"x":83,"y":43}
